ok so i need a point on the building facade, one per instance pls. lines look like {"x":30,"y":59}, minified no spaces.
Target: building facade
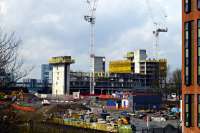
{"x":191,"y":65}
{"x":46,"y":73}
{"x":136,"y":62}
{"x":99,"y":64}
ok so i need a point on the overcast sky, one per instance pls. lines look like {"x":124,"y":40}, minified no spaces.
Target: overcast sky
{"x":56,"y":27}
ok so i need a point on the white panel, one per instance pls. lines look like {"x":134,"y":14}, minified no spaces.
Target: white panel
{"x":58,"y":80}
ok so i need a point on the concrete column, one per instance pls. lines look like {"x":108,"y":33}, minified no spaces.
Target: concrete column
{"x":67,"y":79}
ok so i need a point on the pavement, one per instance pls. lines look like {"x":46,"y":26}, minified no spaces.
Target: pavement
{"x":142,"y":124}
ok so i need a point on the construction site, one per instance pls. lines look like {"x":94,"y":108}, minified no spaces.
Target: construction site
{"x":128,"y":97}
{"x":118,"y":113}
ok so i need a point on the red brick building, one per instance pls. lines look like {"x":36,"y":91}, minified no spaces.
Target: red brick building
{"x":191,"y":65}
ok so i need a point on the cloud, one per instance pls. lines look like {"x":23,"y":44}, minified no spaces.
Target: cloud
{"x":51,"y":28}
{"x":3,"y":8}
{"x":48,"y":18}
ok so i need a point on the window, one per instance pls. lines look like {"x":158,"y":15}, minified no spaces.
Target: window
{"x":198,"y":69}
{"x":198,"y":31}
{"x":198,"y":51}
{"x":188,"y":52}
{"x":186,"y":71}
{"x":187,"y":6}
{"x":187,"y":110}
{"x":198,"y":110}
{"x":198,"y":4}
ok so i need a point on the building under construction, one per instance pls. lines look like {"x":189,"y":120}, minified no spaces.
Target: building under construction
{"x":133,"y":73}
{"x":154,"y":71}
{"x":106,"y":83}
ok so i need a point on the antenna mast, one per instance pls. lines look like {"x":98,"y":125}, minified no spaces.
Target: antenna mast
{"x":91,"y":20}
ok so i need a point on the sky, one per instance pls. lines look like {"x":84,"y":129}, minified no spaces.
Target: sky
{"x":51,"y":28}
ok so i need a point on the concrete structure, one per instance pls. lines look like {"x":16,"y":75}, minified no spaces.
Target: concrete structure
{"x":99,"y":64}
{"x":106,"y":83}
{"x":191,"y":65}
{"x":61,"y":74}
{"x":46,"y":73}
{"x":139,"y":56}
{"x":79,"y":82}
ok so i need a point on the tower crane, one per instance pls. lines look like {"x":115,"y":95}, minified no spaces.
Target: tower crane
{"x":156,"y":33}
{"x":90,"y":18}
{"x":157,"y":30}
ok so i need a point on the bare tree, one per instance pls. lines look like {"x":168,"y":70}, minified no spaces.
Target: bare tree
{"x":175,"y":81}
{"x":11,"y":63}
{"x":176,"y":77}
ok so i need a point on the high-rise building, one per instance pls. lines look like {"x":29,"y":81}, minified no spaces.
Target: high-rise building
{"x":46,"y":73}
{"x":191,"y":65}
{"x":99,"y":64}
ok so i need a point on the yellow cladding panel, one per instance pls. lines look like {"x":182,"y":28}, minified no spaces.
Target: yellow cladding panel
{"x":60,"y":60}
{"x":120,"y":66}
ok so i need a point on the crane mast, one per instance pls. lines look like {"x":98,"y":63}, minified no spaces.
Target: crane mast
{"x":92,"y":4}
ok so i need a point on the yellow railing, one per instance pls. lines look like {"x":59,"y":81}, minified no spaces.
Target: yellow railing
{"x":86,"y":125}
{"x":62,"y":59}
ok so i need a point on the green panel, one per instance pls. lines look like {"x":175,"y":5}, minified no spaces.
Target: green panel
{"x":198,"y":33}
{"x":199,"y":70}
{"x":188,"y":110}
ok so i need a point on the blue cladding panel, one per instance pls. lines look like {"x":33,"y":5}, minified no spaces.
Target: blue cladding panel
{"x":147,"y":101}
